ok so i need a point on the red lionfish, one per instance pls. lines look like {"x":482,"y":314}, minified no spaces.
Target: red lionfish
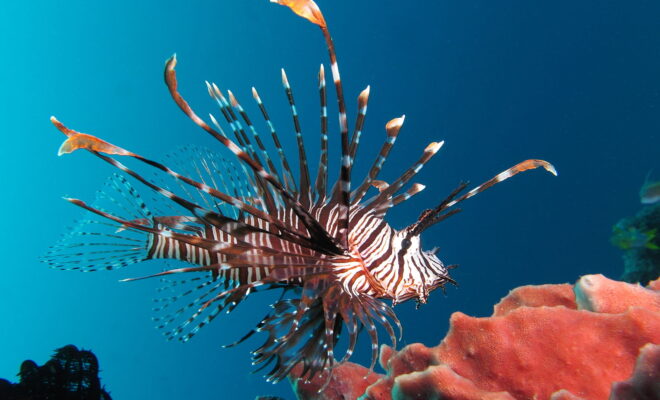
{"x":248,"y":227}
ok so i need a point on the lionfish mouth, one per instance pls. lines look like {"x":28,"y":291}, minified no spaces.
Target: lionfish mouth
{"x":251,"y":226}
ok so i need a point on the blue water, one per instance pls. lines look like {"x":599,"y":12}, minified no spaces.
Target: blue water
{"x":575,"y":83}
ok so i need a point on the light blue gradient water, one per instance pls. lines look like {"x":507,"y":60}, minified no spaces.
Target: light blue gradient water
{"x":575,"y":83}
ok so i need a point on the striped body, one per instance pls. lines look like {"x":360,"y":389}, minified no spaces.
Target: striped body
{"x":372,"y":246}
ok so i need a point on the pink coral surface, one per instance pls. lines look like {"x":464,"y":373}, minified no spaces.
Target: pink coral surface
{"x":542,"y":342}
{"x":348,"y":381}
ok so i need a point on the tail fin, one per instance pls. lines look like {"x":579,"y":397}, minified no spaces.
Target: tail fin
{"x":96,"y":243}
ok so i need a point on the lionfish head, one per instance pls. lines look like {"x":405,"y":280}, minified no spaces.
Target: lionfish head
{"x":422,"y":270}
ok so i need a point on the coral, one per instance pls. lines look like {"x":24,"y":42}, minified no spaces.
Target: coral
{"x":598,"y":294}
{"x":348,"y":381}
{"x":645,"y":381}
{"x":71,"y":374}
{"x":545,"y":342}
{"x":536,"y":296}
{"x":642,"y":264}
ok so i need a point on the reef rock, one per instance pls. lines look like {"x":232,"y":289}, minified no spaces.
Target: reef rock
{"x":543,"y":342}
{"x":641,"y":263}
{"x":71,"y":374}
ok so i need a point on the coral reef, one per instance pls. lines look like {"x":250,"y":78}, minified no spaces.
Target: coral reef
{"x":642,"y":263}
{"x":645,"y":382}
{"x":349,"y":381}
{"x":71,"y":374}
{"x":554,"y":342}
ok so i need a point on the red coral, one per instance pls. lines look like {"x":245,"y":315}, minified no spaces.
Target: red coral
{"x":533,"y":352}
{"x":599,"y":294}
{"x":348,"y":381}
{"x":540,"y":343}
{"x":536,"y":296}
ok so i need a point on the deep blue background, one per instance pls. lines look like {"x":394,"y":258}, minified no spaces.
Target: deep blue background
{"x":576,"y":83}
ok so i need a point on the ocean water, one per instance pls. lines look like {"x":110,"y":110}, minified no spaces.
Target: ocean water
{"x":575,"y":83}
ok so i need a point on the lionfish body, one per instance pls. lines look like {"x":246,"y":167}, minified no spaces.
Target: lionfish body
{"x":251,"y":226}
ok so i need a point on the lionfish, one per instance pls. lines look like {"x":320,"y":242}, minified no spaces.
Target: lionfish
{"x":247,"y":227}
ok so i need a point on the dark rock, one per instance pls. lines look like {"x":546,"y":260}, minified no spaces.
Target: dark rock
{"x":71,"y":374}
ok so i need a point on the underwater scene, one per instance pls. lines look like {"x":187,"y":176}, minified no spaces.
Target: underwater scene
{"x":291,"y":199}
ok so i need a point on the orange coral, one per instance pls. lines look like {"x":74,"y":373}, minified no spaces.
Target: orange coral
{"x":540,"y":343}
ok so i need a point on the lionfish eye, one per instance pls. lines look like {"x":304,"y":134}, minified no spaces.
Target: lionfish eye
{"x":405,"y":244}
